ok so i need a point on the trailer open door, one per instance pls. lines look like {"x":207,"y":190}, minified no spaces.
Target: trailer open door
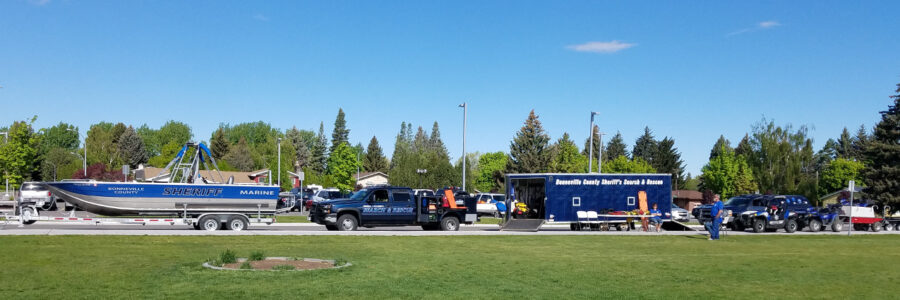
{"x":525,"y":204}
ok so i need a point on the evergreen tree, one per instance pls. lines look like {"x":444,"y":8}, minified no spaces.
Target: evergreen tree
{"x":375,"y":160}
{"x":435,"y":143}
{"x":622,"y":164}
{"x":132,"y":149}
{"x":218,"y":144}
{"x":645,"y":146}
{"x":595,"y":134}
{"x":845,"y":145}
{"x":668,"y":160}
{"x":566,"y":158}
{"x":721,"y":145}
{"x":341,"y":133}
{"x":528,"y":152}
{"x":859,"y":143}
{"x":744,"y":148}
{"x":615,"y":148}
{"x":319,"y":158}
{"x":404,"y":160}
{"x":882,"y":157}
{"x":240,"y":157}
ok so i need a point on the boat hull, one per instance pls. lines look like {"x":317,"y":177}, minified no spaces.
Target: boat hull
{"x":122,"y":199}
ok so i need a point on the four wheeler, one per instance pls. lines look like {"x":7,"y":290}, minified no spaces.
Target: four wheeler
{"x":826,"y":218}
{"x":775,"y":216}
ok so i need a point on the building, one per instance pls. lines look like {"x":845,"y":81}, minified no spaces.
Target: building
{"x":367,"y":179}
{"x":687,"y":199}
{"x":834,"y":197}
{"x":255,"y":177}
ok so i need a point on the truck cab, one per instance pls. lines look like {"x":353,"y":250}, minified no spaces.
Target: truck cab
{"x":390,"y":206}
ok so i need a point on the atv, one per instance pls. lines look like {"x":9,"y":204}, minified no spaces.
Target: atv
{"x":775,"y":216}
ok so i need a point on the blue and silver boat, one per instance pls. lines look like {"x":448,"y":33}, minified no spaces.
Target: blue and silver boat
{"x":178,"y":190}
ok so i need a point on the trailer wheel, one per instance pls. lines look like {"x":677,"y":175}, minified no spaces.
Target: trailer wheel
{"x":450,"y":224}
{"x":888,"y":226}
{"x":237,"y":223}
{"x":837,"y":225}
{"x":29,"y":213}
{"x":210,"y":223}
{"x":620,"y":227}
{"x":347,"y":222}
{"x":759,"y":225}
{"x":815,"y":226}
{"x":876,"y":227}
{"x":791,"y":226}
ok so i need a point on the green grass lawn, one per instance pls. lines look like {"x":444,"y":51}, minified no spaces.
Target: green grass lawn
{"x":461,"y":267}
{"x":291,"y":219}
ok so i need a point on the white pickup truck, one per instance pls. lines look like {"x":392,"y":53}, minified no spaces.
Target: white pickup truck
{"x":37,"y":194}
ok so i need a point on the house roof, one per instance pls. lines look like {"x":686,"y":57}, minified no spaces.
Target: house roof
{"x":365,"y":175}
{"x":687,"y":194}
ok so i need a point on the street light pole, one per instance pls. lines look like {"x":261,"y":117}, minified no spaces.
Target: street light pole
{"x":357,"y":169}
{"x":465,"y":108}
{"x":421,"y":173}
{"x":591,"y":148}
{"x":279,"y":163}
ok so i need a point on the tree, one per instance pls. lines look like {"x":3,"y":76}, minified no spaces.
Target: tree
{"x":622,"y":164}
{"x":726,"y":174}
{"x":59,"y":163}
{"x":319,"y":158}
{"x":101,"y":144}
{"x":341,"y":133}
{"x":845,"y":145}
{"x":859,"y":143}
{"x":616,"y":147}
{"x":566,"y":158}
{"x":375,"y":160}
{"x":645,"y":146}
{"x":101,"y":172}
{"x":239,"y":156}
{"x":595,"y":135}
{"x":721,"y":145}
{"x":743,"y":147}
{"x":782,"y":159}
{"x":173,"y":131}
{"x":668,"y":160}
{"x":838,"y":173}
{"x":218,"y":144}
{"x":342,"y":166}
{"x":490,"y":169}
{"x":882,"y":157}
{"x":19,"y":155}
{"x":303,"y":141}
{"x":61,"y":135}
{"x":131,"y":148}
{"x":528,"y":152}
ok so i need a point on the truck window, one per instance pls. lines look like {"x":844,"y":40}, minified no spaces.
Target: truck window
{"x":402,"y":196}
{"x":380,"y":196}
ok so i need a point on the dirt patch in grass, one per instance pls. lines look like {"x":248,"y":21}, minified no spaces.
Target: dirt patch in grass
{"x":270,"y":263}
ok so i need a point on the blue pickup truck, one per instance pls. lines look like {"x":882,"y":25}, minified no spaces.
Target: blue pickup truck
{"x":395,"y":206}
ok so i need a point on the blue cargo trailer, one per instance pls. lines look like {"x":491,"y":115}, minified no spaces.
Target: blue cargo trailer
{"x":556,"y":198}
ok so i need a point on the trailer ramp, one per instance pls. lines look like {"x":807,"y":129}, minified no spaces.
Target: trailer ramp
{"x":522,"y":225}
{"x":677,"y":226}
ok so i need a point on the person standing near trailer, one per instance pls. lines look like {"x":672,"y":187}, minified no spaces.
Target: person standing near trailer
{"x":716,"y":223}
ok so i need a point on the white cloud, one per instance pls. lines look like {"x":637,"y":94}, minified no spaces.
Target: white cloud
{"x":39,"y":2}
{"x":602,"y":47}
{"x":759,"y":26}
{"x":261,"y":17}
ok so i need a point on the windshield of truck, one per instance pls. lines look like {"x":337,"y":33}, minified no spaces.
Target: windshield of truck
{"x":359,"y":195}
{"x":738,"y":201}
{"x":32,"y":187}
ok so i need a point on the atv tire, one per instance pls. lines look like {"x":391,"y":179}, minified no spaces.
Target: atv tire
{"x":815,"y":226}
{"x":876,"y":227}
{"x":791,"y":226}
{"x":837,"y":225}
{"x":759,"y":225}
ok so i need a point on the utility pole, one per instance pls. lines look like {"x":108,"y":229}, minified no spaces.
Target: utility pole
{"x":591,"y":148}
{"x":465,"y":108}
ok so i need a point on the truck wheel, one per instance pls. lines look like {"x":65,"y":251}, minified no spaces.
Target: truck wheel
{"x":837,"y":225}
{"x":347,"y":223}
{"x":450,"y":224}
{"x":791,"y":226}
{"x":237,"y":223}
{"x":759,"y":225}
{"x":331,"y":227}
{"x":815,"y":226}
{"x":210,"y":223}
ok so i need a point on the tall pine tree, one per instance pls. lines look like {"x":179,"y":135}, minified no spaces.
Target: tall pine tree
{"x":375,"y":160}
{"x":721,"y":145}
{"x":132,"y":149}
{"x":529,"y":151}
{"x":566,"y":158}
{"x":319,"y":158}
{"x":882,"y":157}
{"x":668,"y":160}
{"x":218,"y":144}
{"x":616,"y":147}
{"x":341,"y":133}
{"x":645,"y":146}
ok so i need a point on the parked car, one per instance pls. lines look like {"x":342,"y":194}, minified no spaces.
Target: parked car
{"x":323,"y":195}
{"x":680,"y":214}
{"x":491,"y":204}
{"x":423,"y":193}
{"x":737,"y":205}
{"x":37,"y":194}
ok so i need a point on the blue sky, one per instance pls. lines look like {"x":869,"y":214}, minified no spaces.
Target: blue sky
{"x":691,"y":71}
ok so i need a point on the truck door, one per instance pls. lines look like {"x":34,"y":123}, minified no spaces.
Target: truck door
{"x":377,"y":207}
{"x":403,"y":209}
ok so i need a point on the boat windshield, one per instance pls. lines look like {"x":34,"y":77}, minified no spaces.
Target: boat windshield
{"x":358,"y":195}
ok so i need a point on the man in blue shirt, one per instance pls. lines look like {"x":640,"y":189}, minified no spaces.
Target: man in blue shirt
{"x":656,"y":217}
{"x":716,"y":213}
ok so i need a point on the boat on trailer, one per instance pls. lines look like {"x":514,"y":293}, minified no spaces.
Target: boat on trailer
{"x":178,"y":190}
